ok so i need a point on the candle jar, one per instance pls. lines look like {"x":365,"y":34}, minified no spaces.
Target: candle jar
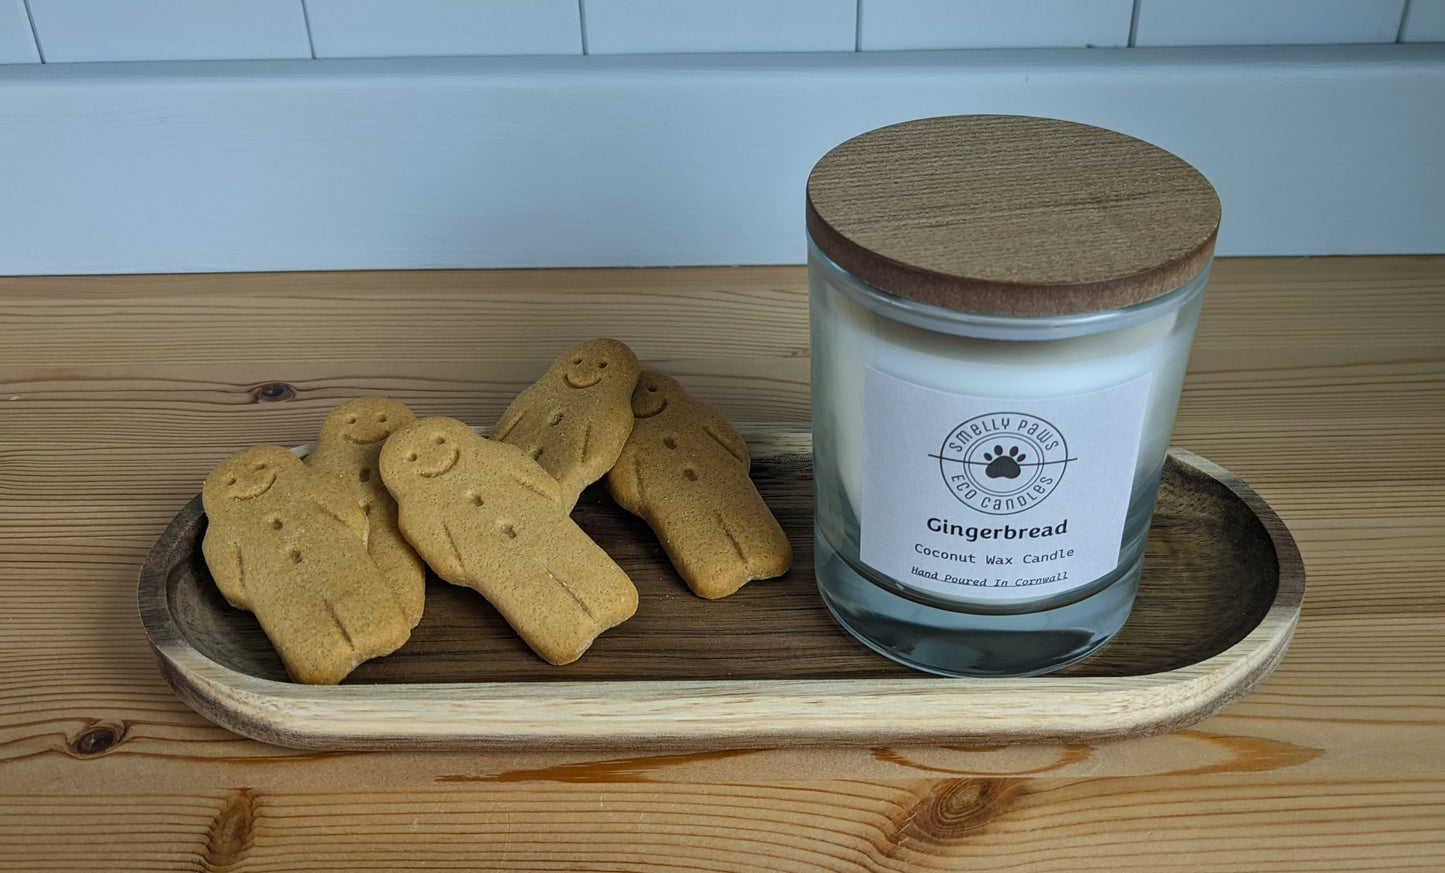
{"x":1001,"y":314}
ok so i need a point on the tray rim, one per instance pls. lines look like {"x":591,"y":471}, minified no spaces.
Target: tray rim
{"x":672,"y":714}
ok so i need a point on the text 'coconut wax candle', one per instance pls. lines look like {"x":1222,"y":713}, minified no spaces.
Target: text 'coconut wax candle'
{"x":1002,"y":309}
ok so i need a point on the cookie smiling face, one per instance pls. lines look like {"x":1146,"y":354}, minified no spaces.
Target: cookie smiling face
{"x":587,"y":364}
{"x":252,"y":483}
{"x":367,"y":420}
{"x":249,"y":474}
{"x":431,"y":455}
{"x":425,"y":449}
{"x":652,"y":393}
{"x":439,"y":461}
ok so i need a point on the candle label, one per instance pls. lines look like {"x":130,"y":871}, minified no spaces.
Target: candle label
{"x":994,"y":499}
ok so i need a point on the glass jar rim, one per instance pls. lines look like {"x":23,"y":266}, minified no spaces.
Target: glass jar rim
{"x":980,"y":325}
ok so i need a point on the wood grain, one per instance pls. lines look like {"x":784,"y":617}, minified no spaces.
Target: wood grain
{"x":1320,"y":382}
{"x":1012,"y":215}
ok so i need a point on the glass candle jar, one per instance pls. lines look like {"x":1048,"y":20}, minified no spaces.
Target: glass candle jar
{"x":1001,"y":309}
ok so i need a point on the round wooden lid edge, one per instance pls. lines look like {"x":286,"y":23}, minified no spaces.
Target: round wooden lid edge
{"x":1012,"y":215}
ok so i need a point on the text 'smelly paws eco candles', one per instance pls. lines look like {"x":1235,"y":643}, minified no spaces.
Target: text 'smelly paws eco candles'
{"x":1002,"y":309}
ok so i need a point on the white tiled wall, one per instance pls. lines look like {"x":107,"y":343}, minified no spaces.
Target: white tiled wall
{"x":959,"y":24}
{"x":683,"y":139}
{"x":17,"y":43}
{"x":416,"y":28}
{"x":125,"y":30}
{"x":1267,"y":22}
{"x":1424,"y":22}
{"x":169,"y":30}
{"x":655,"y":26}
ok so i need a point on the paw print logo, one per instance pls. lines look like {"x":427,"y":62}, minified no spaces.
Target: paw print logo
{"x":1002,"y":462}
{"x":1003,"y":466}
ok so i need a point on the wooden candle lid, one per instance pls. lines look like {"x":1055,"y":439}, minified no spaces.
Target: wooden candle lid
{"x":1012,"y":215}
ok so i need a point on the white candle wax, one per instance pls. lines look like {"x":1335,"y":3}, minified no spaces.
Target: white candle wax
{"x":856,"y":338}
{"x":1112,"y":382}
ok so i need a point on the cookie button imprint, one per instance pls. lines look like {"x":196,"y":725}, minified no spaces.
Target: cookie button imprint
{"x":289,"y":545}
{"x":485,"y":516}
{"x":349,"y":449}
{"x":685,"y":472}
{"x":576,"y":418}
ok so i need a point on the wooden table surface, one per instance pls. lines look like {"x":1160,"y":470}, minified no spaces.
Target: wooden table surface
{"x":1321,"y":382}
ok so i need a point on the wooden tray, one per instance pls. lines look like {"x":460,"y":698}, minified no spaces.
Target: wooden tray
{"x":767,"y":666}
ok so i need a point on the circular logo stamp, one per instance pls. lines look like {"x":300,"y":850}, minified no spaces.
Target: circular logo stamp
{"x":1003,"y":462}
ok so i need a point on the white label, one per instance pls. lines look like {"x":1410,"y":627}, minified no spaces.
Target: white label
{"x":996,"y":500}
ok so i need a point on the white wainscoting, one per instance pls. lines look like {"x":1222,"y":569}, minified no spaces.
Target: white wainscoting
{"x":660,"y":160}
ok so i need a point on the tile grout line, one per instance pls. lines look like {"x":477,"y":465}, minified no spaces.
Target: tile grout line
{"x":34,"y":31}
{"x":306,"y":19}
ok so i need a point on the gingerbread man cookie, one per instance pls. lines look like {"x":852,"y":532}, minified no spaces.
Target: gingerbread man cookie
{"x":349,"y":449}
{"x":576,"y":418}
{"x":289,"y":544}
{"x":485,"y":516}
{"x":684,"y":470}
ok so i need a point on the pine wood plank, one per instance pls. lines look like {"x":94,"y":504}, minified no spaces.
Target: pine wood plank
{"x":1159,"y":823}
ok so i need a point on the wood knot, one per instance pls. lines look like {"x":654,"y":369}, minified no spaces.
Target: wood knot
{"x":231,"y":833}
{"x":273,"y":392}
{"x":97,"y":739}
{"x":954,"y":810}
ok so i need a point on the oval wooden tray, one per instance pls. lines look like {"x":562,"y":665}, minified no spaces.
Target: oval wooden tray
{"x":768,"y":666}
